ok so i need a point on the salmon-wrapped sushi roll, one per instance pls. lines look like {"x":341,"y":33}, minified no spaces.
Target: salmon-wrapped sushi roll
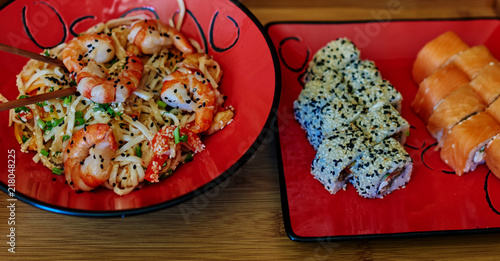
{"x":492,"y":156}
{"x":436,"y":53}
{"x":332,"y":163}
{"x":435,"y":88}
{"x":381,"y":169}
{"x":494,"y":110}
{"x":464,"y":145}
{"x":472,"y":60}
{"x":487,"y":83}
{"x":454,"y":108}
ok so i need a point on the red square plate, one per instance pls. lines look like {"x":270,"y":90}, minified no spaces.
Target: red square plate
{"x":435,"y":201}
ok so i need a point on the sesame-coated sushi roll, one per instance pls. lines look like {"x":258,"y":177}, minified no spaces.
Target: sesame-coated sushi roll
{"x":335,"y":155}
{"x":382,"y":121}
{"x":335,"y":56}
{"x":307,"y":108}
{"x":381,"y":92}
{"x":381,"y":169}
{"x":362,"y":74}
{"x":340,"y":112}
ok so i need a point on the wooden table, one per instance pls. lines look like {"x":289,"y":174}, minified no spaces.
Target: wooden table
{"x":241,"y":219}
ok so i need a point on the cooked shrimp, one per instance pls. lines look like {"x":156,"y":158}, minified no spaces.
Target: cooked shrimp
{"x":95,"y":47}
{"x":152,"y":35}
{"x":203,"y":63}
{"x":221,"y":120}
{"x":95,"y":83}
{"x":190,"y":91}
{"x":166,"y":146}
{"x":87,"y":158}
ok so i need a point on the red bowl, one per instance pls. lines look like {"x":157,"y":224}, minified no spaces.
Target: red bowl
{"x":226,"y":29}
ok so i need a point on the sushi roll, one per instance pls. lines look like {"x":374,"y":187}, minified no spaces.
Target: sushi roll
{"x":381,"y":169}
{"x":382,"y":121}
{"x":472,"y":60}
{"x":436,"y":53}
{"x":308,"y":106}
{"x":492,"y":156}
{"x":457,"y":106}
{"x":487,"y":83}
{"x":335,"y":155}
{"x":494,"y":110}
{"x":336,"y":55}
{"x":380,"y":92}
{"x":464,"y":144}
{"x":340,"y":112}
{"x":435,"y":88}
{"x":362,"y":73}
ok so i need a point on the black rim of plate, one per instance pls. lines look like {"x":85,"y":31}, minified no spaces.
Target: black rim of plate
{"x":283,"y":192}
{"x":221,"y":178}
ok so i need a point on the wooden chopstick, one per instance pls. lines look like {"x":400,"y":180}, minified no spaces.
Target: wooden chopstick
{"x":31,"y":55}
{"x":37,"y":98}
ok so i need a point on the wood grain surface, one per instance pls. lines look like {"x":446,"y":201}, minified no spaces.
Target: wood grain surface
{"x":240,"y":219}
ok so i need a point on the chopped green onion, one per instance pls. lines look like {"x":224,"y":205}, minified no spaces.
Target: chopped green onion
{"x":41,"y":124}
{"x":111,"y":111}
{"x":72,"y":83}
{"x":161,"y":104}
{"x":67,"y":99}
{"x":79,"y":122}
{"x":20,"y":119}
{"x":105,"y":107}
{"x":66,"y":137}
{"x":166,"y":174}
{"x":113,"y":61}
{"x":44,"y":152}
{"x":176,"y":135}
{"x":57,"y":171}
{"x":24,"y":139}
{"x":41,"y":104}
{"x":51,"y":109}
{"x":51,"y":89}
{"x":23,"y":96}
{"x":138,"y":151}
{"x":183,"y":138}
{"x":46,"y":53}
{"x":78,"y":114}
{"x":20,"y":109}
{"x":189,"y":157}
{"x":79,"y":118}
